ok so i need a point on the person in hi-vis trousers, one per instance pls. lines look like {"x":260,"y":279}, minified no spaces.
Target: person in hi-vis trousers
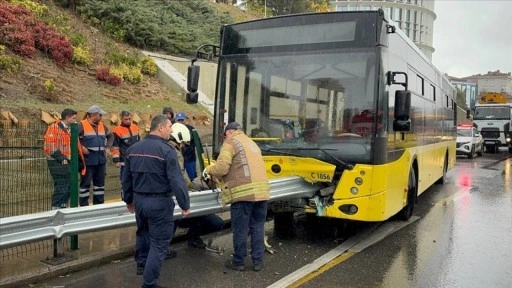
{"x":93,"y":137}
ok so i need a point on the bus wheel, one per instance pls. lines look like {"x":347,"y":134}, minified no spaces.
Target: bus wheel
{"x":406,"y":212}
{"x":283,"y":224}
{"x":442,"y":180}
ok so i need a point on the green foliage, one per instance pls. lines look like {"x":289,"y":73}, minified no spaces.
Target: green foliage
{"x":39,"y":10}
{"x":81,"y":56}
{"x":148,"y":66}
{"x":77,"y":39}
{"x":50,"y":90}
{"x":116,"y":58}
{"x":10,"y":64}
{"x":285,"y":7}
{"x":176,"y":27}
{"x":129,"y":74}
{"x":49,"y":86}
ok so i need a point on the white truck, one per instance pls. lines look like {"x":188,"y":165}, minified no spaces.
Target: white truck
{"x":494,"y":121}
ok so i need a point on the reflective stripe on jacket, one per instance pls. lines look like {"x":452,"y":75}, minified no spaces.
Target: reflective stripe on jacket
{"x":241,"y":169}
{"x":58,"y":138}
{"x":95,"y":141}
{"x":124,"y":137}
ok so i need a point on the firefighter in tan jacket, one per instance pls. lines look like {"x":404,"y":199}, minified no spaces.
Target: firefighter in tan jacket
{"x":244,"y":184}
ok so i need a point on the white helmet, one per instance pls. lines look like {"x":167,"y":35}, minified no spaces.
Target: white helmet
{"x":180,"y":133}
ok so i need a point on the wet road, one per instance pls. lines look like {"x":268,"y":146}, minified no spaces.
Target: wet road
{"x":462,"y":239}
{"x":461,"y":236}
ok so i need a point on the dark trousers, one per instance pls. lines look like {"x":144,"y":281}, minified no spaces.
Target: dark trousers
{"x":154,"y":217}
{"x":61,"y":176}
{"x":96,"y":173}
{"x":200,"y":225}
{"x":248,"y":218}
{"x":190,"y":167}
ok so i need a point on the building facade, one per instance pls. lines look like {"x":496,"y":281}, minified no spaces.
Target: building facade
{"x":414,"y":17}
{"x":493,"y":81}
{"x":470,"y":91}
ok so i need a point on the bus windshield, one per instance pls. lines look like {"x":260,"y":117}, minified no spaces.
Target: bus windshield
{"x":309,"y":103}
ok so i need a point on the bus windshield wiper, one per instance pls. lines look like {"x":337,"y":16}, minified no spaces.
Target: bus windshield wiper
{"x":337,"y":160}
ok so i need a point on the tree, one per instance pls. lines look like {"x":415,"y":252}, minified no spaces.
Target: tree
{"x":285,"y":7}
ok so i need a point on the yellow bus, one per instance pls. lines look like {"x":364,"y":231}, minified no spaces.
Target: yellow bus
{"x":344,"y":99}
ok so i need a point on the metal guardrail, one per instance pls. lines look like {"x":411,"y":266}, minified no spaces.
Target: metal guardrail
{"x":56,"y":224}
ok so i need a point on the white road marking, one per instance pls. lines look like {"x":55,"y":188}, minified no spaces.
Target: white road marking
{"x":355,"y":243}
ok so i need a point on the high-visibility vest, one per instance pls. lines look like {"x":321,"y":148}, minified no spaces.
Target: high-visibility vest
{"x":124,"y":137}
{"x":95,"y":141}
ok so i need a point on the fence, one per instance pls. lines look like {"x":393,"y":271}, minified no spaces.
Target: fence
{"x":25,"y":183}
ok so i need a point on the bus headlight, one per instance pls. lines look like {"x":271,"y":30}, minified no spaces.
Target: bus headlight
{"x":354,"y":190}
{"x":359,"y":180}
{"x":508,"y":139}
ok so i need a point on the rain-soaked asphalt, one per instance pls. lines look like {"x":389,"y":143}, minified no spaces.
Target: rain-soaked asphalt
{"x":461,"y":237}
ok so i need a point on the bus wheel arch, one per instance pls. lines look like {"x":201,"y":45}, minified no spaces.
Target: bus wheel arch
{"x":442,"y":180}
{"x":412,"y":193}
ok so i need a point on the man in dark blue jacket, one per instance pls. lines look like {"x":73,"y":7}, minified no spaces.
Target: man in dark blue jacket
{"x":152,"y":174}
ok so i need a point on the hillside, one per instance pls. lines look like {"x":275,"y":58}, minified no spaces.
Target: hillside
{"x":76,"y":86}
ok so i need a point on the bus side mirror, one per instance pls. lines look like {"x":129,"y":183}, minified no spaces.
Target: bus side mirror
{"x":192,"y":84}
{"x":402,"y":121}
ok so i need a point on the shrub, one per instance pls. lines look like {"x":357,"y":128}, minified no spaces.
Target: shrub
{"x":81,"y":56}
{"x":23,"y":34}
{"x":114,"y":80}
{"x":117,"y":59}
{"x":111,"y":76}
{"x":102,"y":73}
{"x":8,"y":63}
{"x":77,"y":39}
{"x":50,"y":90}
{"x":49,"y":86}
{"x":148,"y":66}
{"x":131,"y":74}
{"x":37,"y":9}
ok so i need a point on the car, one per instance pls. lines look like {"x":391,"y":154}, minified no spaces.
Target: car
{"x":469,"y":141}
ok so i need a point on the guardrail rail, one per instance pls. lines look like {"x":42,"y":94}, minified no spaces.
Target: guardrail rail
{"x":55,"y":224}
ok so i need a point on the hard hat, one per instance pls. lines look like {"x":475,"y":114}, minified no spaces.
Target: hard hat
{"x":180,"y":133}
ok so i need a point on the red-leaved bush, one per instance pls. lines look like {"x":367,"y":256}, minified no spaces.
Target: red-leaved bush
{"x":23,"y":34}
{"x":114,"y":80}
{"x":103,"y":74}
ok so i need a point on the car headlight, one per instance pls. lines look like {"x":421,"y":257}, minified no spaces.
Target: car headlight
{"x":508,"y":139}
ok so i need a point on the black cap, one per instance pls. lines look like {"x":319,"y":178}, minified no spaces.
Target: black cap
{"x":232,"y":126}
{"x":167,"y":110}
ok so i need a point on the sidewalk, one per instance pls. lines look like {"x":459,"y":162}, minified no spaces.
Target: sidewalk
{"x":20,"y":268}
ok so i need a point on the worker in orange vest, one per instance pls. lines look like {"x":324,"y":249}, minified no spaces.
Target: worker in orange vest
{"x":93,"y":136}
{"x":57,"y":148}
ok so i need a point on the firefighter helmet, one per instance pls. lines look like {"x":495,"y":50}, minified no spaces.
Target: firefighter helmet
{"x":180,"y":133}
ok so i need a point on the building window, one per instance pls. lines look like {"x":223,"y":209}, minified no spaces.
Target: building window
{"x":433,"y":92}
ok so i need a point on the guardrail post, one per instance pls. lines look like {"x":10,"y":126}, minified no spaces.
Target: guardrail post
{"x":73,"y":201}
{"x":58,"y":244}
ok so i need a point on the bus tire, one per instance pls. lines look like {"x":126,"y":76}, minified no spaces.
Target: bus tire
{"x":442,"y":180}
{"x":408,"y":209}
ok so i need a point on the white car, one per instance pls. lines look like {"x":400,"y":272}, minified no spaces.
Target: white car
{"x":469,"y":141}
